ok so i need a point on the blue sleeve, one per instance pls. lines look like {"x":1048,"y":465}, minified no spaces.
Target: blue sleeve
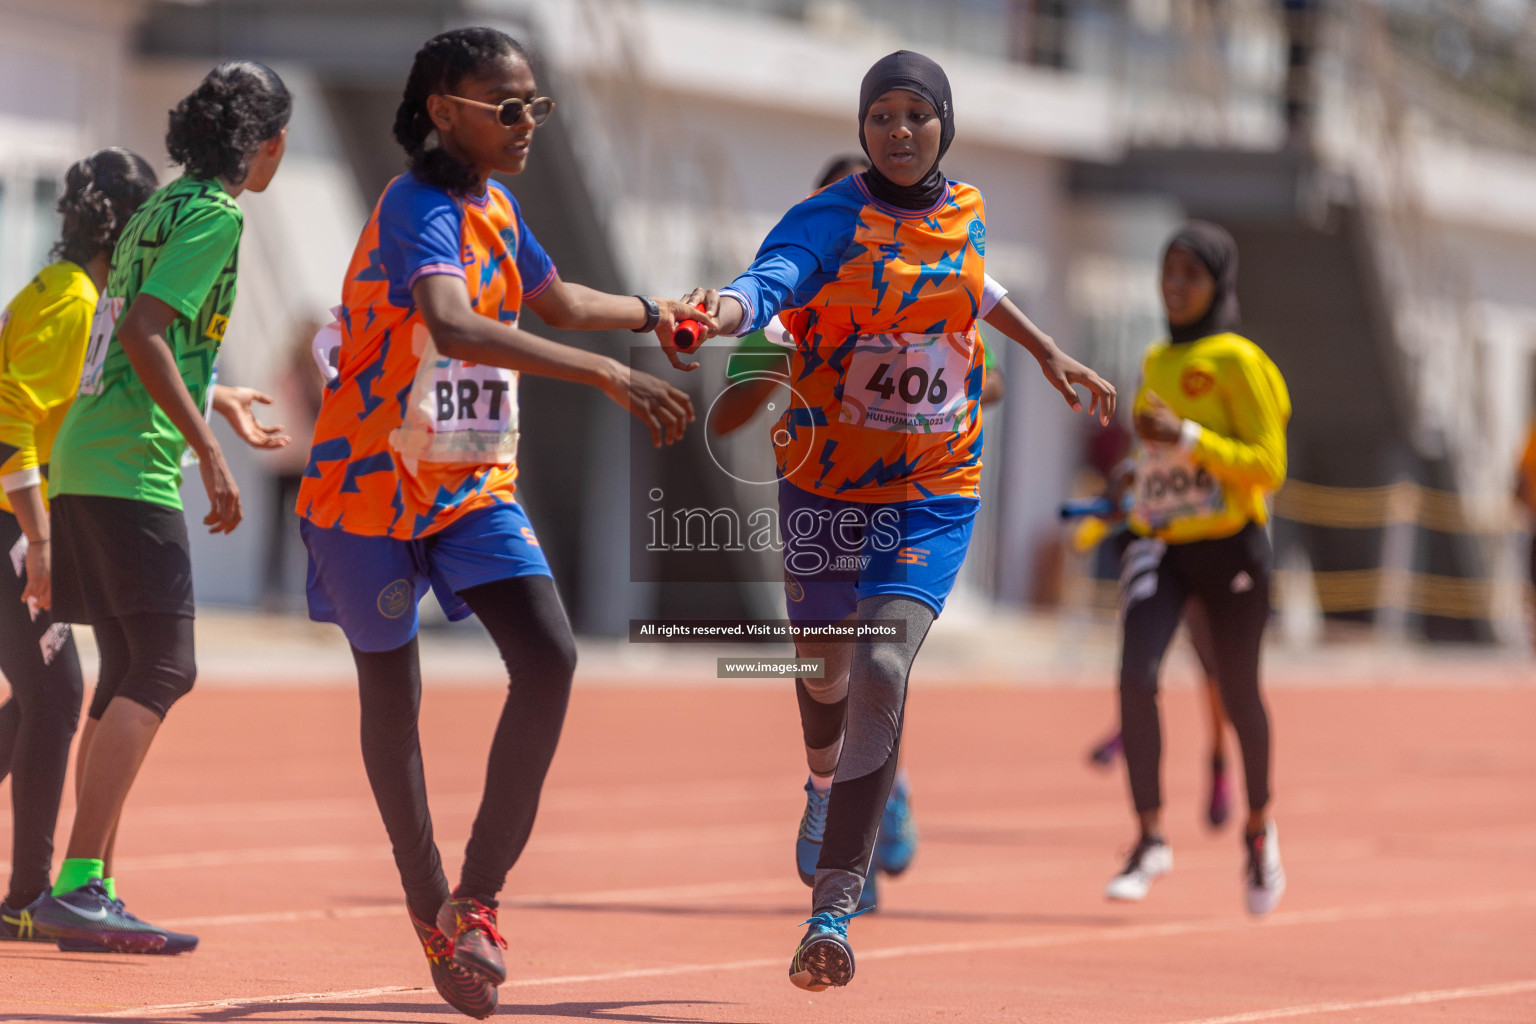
{"x":800,"y":255}
{"x":420,"y":233}
{"x":533,"y":264}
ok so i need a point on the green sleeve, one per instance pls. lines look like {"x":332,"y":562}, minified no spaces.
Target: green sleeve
{"x":190,"y":260}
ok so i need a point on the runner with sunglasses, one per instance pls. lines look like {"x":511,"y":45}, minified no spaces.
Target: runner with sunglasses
{"x":43,"y":334}
{"x":1211,"y":414}
{"x":880,"y":279}
{"x":121,"y":560}
{"x":410,"y":483}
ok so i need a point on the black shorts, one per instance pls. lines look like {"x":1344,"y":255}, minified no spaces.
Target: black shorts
{"x":114,"y":557}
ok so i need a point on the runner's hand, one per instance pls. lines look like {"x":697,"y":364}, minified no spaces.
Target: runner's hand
{"x":223,"y":493}
{"x":234,"y":404}
{"x":1156,"y":422}
{"x":673,"y":310}
{"x":1063,"y":372}
{"x":39,"y":589}
{"x":666,"y":410}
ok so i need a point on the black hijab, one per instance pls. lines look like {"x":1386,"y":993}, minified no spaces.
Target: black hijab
{"x":1214,"y":247}
{"x":915,"y":73}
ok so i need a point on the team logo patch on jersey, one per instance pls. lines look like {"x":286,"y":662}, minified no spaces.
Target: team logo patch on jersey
{"x":395,"y":599}
{"x":1196,"y":382}
{"x":912,"y":556}
{"x":529,"y":537}
{"x":792,"y":588}
{"x":978,"y":233}
{"x":217,"y":325}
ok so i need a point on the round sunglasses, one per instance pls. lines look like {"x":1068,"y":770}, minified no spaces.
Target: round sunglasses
{"x":510,"y":112}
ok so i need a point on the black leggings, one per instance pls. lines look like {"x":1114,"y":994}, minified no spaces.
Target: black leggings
{"x":530,"y":630}
{"x":1230,"y":578}
{"x":149,"y":659}
{"x":37,"y":724}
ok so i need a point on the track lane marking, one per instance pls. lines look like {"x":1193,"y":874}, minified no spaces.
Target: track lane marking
{"x":1080,"y":936}
{"x":1439,"y":995}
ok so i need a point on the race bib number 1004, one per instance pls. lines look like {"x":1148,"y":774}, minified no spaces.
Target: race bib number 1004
{"x":910,"y":383}
{"x":1170,"y":487}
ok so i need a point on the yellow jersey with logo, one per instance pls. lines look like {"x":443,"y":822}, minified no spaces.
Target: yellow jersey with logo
{"x":1219,"y":476}
{"x":43,"y":334}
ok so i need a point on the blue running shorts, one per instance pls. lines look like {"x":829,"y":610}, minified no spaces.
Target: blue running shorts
{"x":838,"y":552}
{"x":370,"y":586}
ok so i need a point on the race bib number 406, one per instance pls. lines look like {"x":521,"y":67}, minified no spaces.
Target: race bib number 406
{"x":108,"y":309}
{"x":459,"y":412}
{"x":911,"y":383}
{"x":1171,"y":487}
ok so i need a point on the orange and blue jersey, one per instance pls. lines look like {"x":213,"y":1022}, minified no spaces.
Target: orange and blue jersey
{"x":887,"y":372}
{"x":408,"y":441}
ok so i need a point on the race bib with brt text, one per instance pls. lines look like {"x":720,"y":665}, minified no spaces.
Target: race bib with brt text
{"x":458,"y":412}
{"x":910,"y":383}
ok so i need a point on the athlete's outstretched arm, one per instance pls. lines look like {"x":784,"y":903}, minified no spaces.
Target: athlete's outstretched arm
{"x":575,"y":307}
{"x":141,"y":332}
{"x":1059,"y":368}
{"x":461,"y":333}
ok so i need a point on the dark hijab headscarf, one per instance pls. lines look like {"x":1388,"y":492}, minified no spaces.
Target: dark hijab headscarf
{"x":915,"y":73}
{"x":1214,"y":247}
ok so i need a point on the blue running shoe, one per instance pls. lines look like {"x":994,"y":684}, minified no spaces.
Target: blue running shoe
{"x":813,"y":825}
{"x":175,"y":942}
{"x":16,"y":925}
{"x":823,"y":959}
{"x":88,"y":914}
{"x":896,"y":844}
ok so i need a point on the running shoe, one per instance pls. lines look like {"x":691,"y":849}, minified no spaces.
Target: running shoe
{"x":16,"y":925}
{"x":463,"y":991}
{"x":88,"y":914}
{"x":1220,"y":806}
{"x":896,"y":843}
{"x":813,"y":826}
{"x":476,"y":944}
{"x":1265,"y":876}
{"x":175,"y":942}
{"x":1103,"y":755}
{"x":1151,"y":859}
{"x":823,"y":959}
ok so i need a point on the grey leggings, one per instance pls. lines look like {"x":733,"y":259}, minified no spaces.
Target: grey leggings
{"x":877,"y":696}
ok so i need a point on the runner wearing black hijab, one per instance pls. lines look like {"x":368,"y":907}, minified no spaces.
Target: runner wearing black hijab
{"x":880,"y":279}
{"x":1211,"y":415}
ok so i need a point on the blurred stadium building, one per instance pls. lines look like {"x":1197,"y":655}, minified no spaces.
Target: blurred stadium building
{"x":1376,"y":160}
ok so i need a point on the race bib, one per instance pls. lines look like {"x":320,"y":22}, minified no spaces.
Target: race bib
{"x":458,"y":412}
{"x":1170,"y":487}
{"x":910,"y":383}
{"x":108,"y":309}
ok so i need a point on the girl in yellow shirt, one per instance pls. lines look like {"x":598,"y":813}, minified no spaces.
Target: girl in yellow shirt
{"x":43,"y":335}
{"x":1210,"y":414}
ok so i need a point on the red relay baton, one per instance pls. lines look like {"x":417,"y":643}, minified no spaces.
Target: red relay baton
{"x":688,"y":333}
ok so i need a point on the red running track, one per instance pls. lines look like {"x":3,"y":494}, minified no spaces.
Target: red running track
{"x":659,"y":887}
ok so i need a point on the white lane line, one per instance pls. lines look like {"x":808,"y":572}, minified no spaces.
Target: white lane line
{"x":292,"y":997}
{"x":1441,"y":995}
{"x":1079,"y":936}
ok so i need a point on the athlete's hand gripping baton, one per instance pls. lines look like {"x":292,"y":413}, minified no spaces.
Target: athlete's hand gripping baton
{"x":688,"y":333}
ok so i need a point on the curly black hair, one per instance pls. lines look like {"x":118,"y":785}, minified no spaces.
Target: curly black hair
{"x":100,"y":194}
{"x":441,"y":64}
{"x":216,"y":130}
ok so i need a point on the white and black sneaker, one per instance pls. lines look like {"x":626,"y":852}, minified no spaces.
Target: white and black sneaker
{"x":1151,"y":858}
{"x":1264,"y":876}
